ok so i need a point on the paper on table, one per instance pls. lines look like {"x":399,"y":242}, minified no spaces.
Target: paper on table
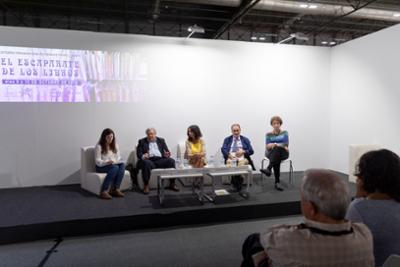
{"x":221,"y":192}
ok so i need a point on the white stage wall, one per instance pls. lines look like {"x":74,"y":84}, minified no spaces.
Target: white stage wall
{"x":205,"y":82}
{"x":365,"y":95}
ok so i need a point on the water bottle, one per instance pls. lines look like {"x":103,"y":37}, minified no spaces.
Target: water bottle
{"x":211,"y":161}
{"x":217,"y":162}
{"x":221,"y":162}
{"x":185,"y":163}
{"x":178,"y":163}
{"x":234,"y":162}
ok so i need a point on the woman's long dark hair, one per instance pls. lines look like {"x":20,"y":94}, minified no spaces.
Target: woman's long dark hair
{"x":103,"y":141}
{"x":196,"y":132}
{"x":380,"y":172}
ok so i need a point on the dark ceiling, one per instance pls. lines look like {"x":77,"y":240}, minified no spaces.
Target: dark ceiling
{"x":223,"y":20}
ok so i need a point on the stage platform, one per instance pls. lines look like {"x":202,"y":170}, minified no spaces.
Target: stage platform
{"x":59,"y":211}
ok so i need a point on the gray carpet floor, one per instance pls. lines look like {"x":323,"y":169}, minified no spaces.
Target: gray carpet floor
{"x":45,"y":204}
{"x":210,"y":245}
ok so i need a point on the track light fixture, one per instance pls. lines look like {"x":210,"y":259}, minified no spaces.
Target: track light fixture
{"x":195,"y":29}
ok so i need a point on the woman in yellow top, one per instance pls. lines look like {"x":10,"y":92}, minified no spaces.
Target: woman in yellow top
{"x":195,"y":148}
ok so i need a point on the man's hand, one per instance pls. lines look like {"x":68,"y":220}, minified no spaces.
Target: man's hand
{"x":259,"y":257}
{"x":240,"y":153}
{"x":196,"y":156}
{"x":167,"y":154}
{"x":146,"y":156}
{"x":271,"y":145}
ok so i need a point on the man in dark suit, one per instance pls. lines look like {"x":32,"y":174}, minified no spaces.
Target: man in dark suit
{"x":237,"y":148}
{"x":153,"y":153}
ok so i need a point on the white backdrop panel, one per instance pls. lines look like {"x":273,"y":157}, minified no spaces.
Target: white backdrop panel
{"x":365,"y":95}
{"x":205,"y":82}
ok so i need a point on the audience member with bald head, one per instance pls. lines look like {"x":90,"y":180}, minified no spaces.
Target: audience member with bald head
{"x":324,"y":239}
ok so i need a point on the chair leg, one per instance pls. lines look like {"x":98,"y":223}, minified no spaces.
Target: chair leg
{"x":262,"y":168}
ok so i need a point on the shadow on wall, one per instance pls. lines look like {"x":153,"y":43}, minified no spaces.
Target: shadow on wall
{"x":8,"y":169}
{"x":6,"y":179}
{"x":74,"y":178}
{"x":66,"y":174}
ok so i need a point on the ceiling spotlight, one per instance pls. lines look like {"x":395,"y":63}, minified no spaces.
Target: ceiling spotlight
{"x":254,"y":38}
{"x":313,"y":7}
{"x":297,"y":35}
{"x":301,"y":36}
{"x":287,"y":39}
{"x":332,"y":43}
{"x":303,"y":5}
{"x":396,"y":15}
{"x":262,"y":38}
{"x":195,"y":29}
{"x":324,"y":42}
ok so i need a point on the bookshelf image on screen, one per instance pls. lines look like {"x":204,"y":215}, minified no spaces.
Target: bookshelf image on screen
{"x":60,"y":75}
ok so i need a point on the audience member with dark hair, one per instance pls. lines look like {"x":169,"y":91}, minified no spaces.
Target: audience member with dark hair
{"x":277,"y":150}
{"x":325,"y":239}
{"x":108,"y":160}
{"x":378,"y":201}
{"x":195,"y":147}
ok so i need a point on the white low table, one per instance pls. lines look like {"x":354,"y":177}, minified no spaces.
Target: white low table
{"x":213,"y":172}
{"x":166,"y":174}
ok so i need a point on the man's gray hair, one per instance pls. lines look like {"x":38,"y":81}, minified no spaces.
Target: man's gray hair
{"x":235,"y":124}
{"x":327,"y":191}
{"x":151,"y":129}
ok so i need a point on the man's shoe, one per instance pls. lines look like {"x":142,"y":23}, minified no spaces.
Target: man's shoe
{"x":105,"y":195}
{"x":278,"y":187}
{"x":174,"y":187}
{"x":267,"y":172}
{"x":237,"y":188}
{"x":237,"y":182}
{"x":146,"y":190}
{"x":117,"y":193}
{"x":135,"y":187}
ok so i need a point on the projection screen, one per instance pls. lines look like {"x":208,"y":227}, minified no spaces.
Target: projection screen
{"x":59,"y":75}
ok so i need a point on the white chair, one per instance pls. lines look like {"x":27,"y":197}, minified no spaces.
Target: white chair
{"x":392,"y":261}
{"x":355,"y":153}
{"x":286,"y":161}
{"x":180,"y":151}
{"x":90,"y":179}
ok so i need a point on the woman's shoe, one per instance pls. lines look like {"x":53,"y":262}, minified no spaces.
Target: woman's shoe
{"x":117,"y":193}
{"x":278,"y":187}
{"x":267,"y":172}
{"x":146,"y":190}
{"x":105,"y":195}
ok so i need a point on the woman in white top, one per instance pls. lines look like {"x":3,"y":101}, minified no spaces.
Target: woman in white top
{"x":108,"y":160}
